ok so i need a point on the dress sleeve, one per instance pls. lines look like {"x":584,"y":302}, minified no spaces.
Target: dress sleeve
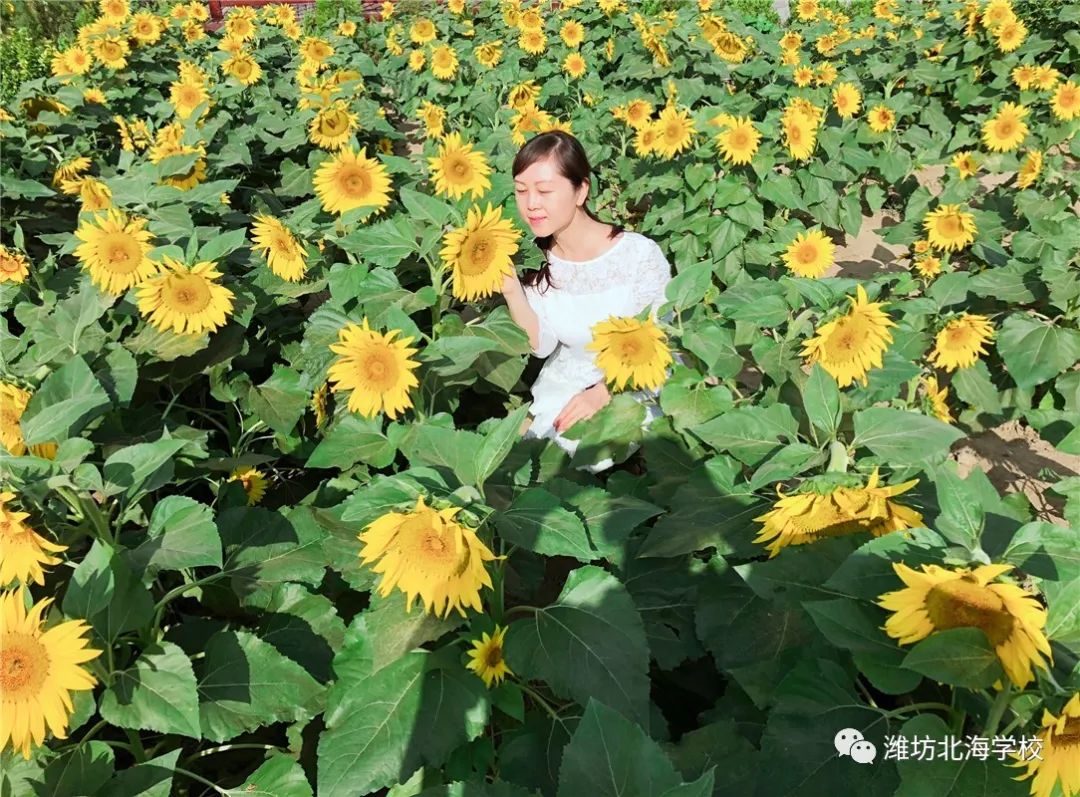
{"x":548,"y":341}
{"x":652,"y":281}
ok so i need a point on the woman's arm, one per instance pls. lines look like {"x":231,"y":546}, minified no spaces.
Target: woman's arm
{"x":542,"y":340}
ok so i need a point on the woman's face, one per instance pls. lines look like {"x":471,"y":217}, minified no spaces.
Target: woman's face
{"x":546,"y":200}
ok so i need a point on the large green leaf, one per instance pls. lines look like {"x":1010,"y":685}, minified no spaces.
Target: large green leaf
{"x":1034,"y":351}
{"x":958,"y":656}
{"x":498,"y":443}
{"x":902,"y":438}
{"x":153,"y":778}
{"x":141,"y":468}
{"x":821,"y":398}
{"x":281,"y":400}
{"x":158,"y":693}
{"x":78,"y":771}
{"x":264,"y":548}
{"x":181,"y":534}
{"x":69,"y":399}
{"x":104,"y":591}
{"x":537,"y":522}
{"x":589,"y":643}
{"x":279,"y":776}
{"x":353,"y":439}
{"x":750,"y":433}
{"x":1046,"y":550}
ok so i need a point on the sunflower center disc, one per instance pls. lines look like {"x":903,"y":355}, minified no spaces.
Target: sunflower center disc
{"x":494,"y":656}
{"x":964,"y":604}
{"x":1070,"y":736}
{"x":24,"y":663}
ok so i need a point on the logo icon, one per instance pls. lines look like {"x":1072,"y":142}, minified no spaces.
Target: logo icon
{"x":850,"y":741}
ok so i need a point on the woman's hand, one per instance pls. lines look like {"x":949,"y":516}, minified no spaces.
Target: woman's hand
{"x":583,"y":406}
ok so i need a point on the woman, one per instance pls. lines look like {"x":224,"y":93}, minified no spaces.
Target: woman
{"x":593,"y":270}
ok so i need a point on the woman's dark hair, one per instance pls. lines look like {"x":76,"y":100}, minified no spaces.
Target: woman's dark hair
{"x":572,"y":164}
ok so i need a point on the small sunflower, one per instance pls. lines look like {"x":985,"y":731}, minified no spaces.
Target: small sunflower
{"x":1065,"y":104}
{"x":638,"y":113}
{"x":739,"y":141}
{"x":1046,"y":77}
{"x":1030,"y":169}
{"x":285,"y":255}
{"x":526,"y":93}
{"x":965,"y":164}
{"x":316,"y":50}
{"x":111,"y":51}
{"x":1010,"y":35}
{"x":115,"y":250}
{"x":631,"y":352}
{"x":94,"y":95}
{"x":352,"y":180}
{"x":810,"y":254}
{"x":146,"y":28}
{"x":929,"y":266}
{"x":1058,"y":761}
{"x":938,"y":399}
{"x":572,"y":33}
{"x":675,"y":130}
{"x":376,"y":368}
{"x":949,"y":227}
{"x":319,"y":400}
{"x":422,"y":31}
{"x":253,"y":481}
{"x":800,"y":136}
{"x":38,"y":670}
{"x":427,"y":553}
{"x":961,"y":341}
{"x":1024,"y":76}
{"x":347,"y":28}
{"x":849,"y":346}
{"x":417,"y":59}
{"x":22,"y":550}
{"x":13,"y":401}
{"x":185,"y":96}
{"x":487,"y":659}
{"x":459,"y":169}
{"x":645,"y":140}
{"x":186,"y":300}
{"x":846,"y":100}
{"x":881,"y":118}
{"x":243,"y":67}
{"x":434,"y":117}
{"x":1006,"y":129}
{"x":444,"y":62}
{"x":480,"y":253}
{"x":532,"y":41}
{"x":332,"y":126}
{"x":574,"y":65}
{"x":488,"y":55}
{"x":939,"y":599}
{"x":14,"y":266}
{"x":803,"y":76}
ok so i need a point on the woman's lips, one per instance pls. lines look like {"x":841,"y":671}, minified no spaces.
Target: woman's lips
{"x":535,"y":219}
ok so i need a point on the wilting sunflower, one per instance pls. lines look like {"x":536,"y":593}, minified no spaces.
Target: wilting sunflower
{"x":487,"y":659}
{"x":459,"y":169}
{"x":939,"y":598}
{"x":14,"y":267}
{"x":965,"y":164}
{"x":846,"y":100}
{"x":1006,"y":129}
{"x":961,"y":341}
{"x":422,"y":31}
{"x":675,"y":129}
{"x":881,"y":118}
{"x":835,"y":506}
{"x":13,"y":401}
{"x":252,"y":480}
{"x":243,"y":67}
{"x":427,"y":553}
{"x":319,"y":400}
{"x":1029,"y":169}
{"x":115,"y":250}
{"x":632,"y":352}
{"x":22,"y":550}
{"x":739,"y":141}
{"x":488,"y":55}
{"x":1058,"y":761}
{"x":375,"y":367}
{"x":949,"y":228}
{"x":849,"y":346}
{"x":285,"y":255}
{"x":352,"y":180}
{"x":185,"y":96}
{"x":332,"y":126}
{"x":532,"y":41}
{"x":186,"y":300}
{"x":38,"y":670}
{"x":1065,"y":104}
{"x":810,"y":254}
{"x":480,"y":253}
{"x":444,"y":62}
{"x":574,"y":65}
{"x":572,"y":33}
{"x":938,"y":399}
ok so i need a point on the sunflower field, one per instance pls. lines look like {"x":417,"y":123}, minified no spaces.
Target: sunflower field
{"x":268,"y":525}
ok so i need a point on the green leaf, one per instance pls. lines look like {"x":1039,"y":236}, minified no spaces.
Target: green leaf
{"x":715,"y":345}
{"x":537,"y":522}
{"x":612,"y":756}
{"x":424,"y":208}
{"x":498,"y":444}
{"x":455,"y":449}
{"x":67,"y":401}
{"x":1046,"y":550}
{"x":105,"y":592}
{"x":280,"y":776}
{"x":381,"y":728}
{"x":264,"y":548}
{"x":868,"y":572}
{"x":351,"y":439}
{"x":821,"y":399}
{"x":477,"y":789}
{"x":589,"y":643}
{"x":451,"y":354}
{"x":902,"y":438}
{"x":854,"y":626}
{"x":78,"y":771}
{"x":385,"y":243}
{"x":223,"y":244}
{"x":153,"y":778}
{"x":158,"y":693}
{"x":281,"y":400}
{"x":390,"y":631}
{"x":1035,"y":352}
{"x":181,"y":534}
{"x":1063,"y":619}
{"x":750,"y":433}
{"x":244,"y":684}
{"x":958,"y":657}
{"x":142,"y":468}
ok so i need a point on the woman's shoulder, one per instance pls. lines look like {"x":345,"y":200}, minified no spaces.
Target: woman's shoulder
{"x":640,"y":241}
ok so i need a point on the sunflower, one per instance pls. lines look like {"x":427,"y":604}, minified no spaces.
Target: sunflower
{"x":456,"y":6}
{"x":965,"y":164}
{"x":93,"y":94}
{"x":67,"y":171}
{"x":185,"y":96}
{"x":949,"y":228}
{"x":78,"y":60}
{"x":488,"y":55}
{"x":38,"y":670}
{"x":849,"y":346}
{"x":351,"y":180}
{"x":375,"y":367}
{"x":316,"y":50}
{"x":444,"y":62}
{"x":802,"y":75}
{"x":572,"y":33}
{"x":729,"y":47}
{"x":939,"y":598}
{"x":881,"y":118}
{"x":739,"y":141}
{"x":487,"y":657}
{"x":961,"y":341}
{"x":996,"y":13}
{"x":480,"y":253}
{"x":645,"y":140}
{"x":1010,"y":35}
{"x":114,"y":10}
{"x":938,"y":399}
{"x":675,"y":129}
{"x":186,"y":300}
{"x":528,"y":119}
{"x":22,"y":550}
{"x":146,"y":28}
{"x":417,"y":59}
{"x":253,"y":481}
{"x":1006,"y":129}
{"x":1046,"y":77}
{"x":810,"y":254}
{"x":609,"y":50}
{"x":239,"y":27}
{"x":532,"y":41}
{"x":799,"y":135}
{"x":115,"y":250}
{"x":826,"y":75}
{"x":459,"y":169}
{"x":630,"y":351}
{"x":1024,"y":76}
{"x":928,"y":266}
{"x":1065,"y":104}
{"x":1058,"y":761}
{"x":846,"y":100}
{"x":243,"y":67}
{"x":13,"y":401}
{"x":791,"y":41}
{"x":347,"y":28}
{"x":111,"y":51}
{"x":332,"y":126}
{"x":319,"y":400}
{"x":835,"y":506}
{"x":422,"y":31}
{"x":638,"y":113}
{"x":1029,"y":169}
{"x":523,"y":94}
{"x":433,"y":117}
{"x":285,"y":255}
{"x":14,"y":267}
{"x":426,"y":552}
{"x":574,"y":65}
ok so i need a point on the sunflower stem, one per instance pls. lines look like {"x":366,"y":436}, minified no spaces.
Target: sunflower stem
{"x":137,"y":748}
{"x":543,"y":703}
{"x":838,"y":457}
{"x":518,"y":610}
{"x":200,"y":779}
{"x":997,"y":709}
{"x":899,"y":712}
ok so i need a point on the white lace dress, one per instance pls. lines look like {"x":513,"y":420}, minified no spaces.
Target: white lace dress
{"x":630,"y":276}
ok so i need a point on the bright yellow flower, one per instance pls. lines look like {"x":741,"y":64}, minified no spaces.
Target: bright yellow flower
{"x":480,"y":254}
{"x":810,"y":254}
{"x":376,"y":370}
{"x":949,"y":227}
{"x":351,"y":180}
{"x":188,"y":300}
{"x":487,"y":658}
{"x":850,"y":345}
{"x":961,"y":341}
